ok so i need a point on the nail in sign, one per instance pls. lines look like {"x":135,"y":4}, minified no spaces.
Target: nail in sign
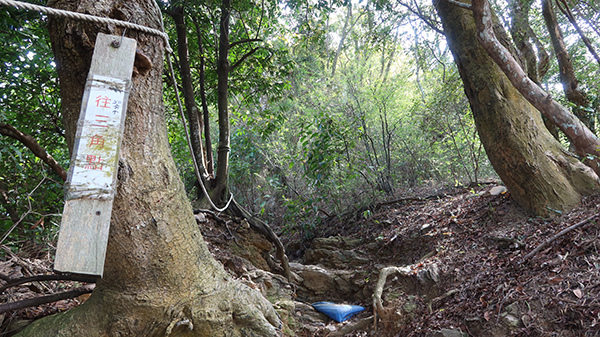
{"x":90,"y":188}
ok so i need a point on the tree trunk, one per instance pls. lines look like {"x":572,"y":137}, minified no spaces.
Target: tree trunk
{"x":210,"y":165}
{"x":159,"y":277}
{"x":187,"y":88}
{"x":222,"y":175}
{"x":538,"y":172}
{"x":565,"y":67}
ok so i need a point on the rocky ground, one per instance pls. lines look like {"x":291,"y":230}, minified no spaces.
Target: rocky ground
{"x":462,"y":262}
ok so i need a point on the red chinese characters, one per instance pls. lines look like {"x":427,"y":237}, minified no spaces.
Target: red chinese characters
{"x":97,"y":141}
{"x":93,"y":162}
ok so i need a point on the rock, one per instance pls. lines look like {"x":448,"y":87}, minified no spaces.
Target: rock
{"x":336,"y":252}
{"x":350,"y":327}
{"x":511,"y":321}
{"x":200,"y":218}
{"x":448,"y":333}
{"x":305,"y":313}
{"x":321,"y":284}
{"x":497,"y":190}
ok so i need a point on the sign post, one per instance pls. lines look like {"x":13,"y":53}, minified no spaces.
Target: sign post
{"x":90,"y":187}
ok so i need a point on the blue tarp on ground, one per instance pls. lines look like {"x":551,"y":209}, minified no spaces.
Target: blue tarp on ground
{"x":338,"y":312}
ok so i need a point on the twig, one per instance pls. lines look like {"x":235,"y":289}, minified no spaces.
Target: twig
{"x":31,"y":302}
{"x":561,"y":233}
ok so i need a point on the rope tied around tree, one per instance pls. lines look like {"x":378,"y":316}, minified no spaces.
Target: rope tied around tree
{"x":145,"y":29}
{"x":87,"y":17}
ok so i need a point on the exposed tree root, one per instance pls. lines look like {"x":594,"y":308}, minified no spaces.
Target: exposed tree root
{"x":378,"y":310}
{"x":267,"y":231}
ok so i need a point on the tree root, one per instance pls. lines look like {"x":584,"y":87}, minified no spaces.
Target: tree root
{"x":383,"y":275}
{"x":265,"y":230}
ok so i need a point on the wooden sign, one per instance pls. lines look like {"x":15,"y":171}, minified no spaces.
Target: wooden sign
{"x":91,"y":181}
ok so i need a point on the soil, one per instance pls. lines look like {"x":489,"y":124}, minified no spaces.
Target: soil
{"x":467,"y":255}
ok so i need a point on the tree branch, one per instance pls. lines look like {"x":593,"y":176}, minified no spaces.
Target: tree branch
{"x":233,"y":44}
{"x":51,"y":277}
{"x":31,"y":302}
{"x":567,"y":12}
{"x":561,"y":233}
{"x":35,"y":147}
{"x":248,"y":54}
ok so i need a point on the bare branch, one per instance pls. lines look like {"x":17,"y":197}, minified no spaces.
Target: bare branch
{"x":561,"y":233}
{"x":35,"y":147}
{"x":567,"y":12}
{"x":51,"y":277}
{"x":233,"y":44}
{"x":248,"y":54}
{"x":428,"y":21}
{"x":31,"y":302}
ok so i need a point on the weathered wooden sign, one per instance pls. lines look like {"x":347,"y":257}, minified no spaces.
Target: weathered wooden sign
{"x":90,"y":186}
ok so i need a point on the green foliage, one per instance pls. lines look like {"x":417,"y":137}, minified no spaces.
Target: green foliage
{"x":29,"y":101}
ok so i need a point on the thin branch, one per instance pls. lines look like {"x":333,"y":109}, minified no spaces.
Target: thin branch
{"x":35,"y":147}
{"x":32,"y":302}
{"x":52,"y":277}
{"x":567,"y":12}
{"x":561,"y":233}
{"x":248,"y":54}
{"x":233,"y":44}
{"x":428,"y":21}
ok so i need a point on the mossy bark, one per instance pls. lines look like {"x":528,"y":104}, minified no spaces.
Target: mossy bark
{"x":159,"y":277}
{"x":539,"y":173}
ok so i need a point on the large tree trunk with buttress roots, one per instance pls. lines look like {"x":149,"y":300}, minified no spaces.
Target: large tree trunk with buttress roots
{"x":539,"y":173}
{"x":159,"y":277}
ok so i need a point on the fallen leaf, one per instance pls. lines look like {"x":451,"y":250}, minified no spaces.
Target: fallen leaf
{"x":486,"y":315}
{"x":555,"y":280}
{"x":578,"y":293}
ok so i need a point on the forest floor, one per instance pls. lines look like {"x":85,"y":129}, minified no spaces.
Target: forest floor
{"x":468,"y":270}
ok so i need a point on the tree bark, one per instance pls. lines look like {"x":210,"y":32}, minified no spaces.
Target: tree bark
{"x":210,"y":164}
{"x":585,"y":142}
{"x":187,"y":88}
{"x":565,"y":66}
{"x":223,"y":67}
{"x":538,"y":172}
{"x":159,"y":277}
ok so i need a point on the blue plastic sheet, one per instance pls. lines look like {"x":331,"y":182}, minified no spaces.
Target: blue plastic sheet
{"x":338,"y":312}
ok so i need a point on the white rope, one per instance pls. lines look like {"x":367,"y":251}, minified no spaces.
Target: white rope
{"x":97,"y":19}
{"x":87,"y":17}
{"x":187,"y":134}
{"x":187,"y":137}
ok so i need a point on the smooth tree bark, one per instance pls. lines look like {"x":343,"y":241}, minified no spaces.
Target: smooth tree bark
{"x":539,"y":173}
{"x":159,"y":277}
